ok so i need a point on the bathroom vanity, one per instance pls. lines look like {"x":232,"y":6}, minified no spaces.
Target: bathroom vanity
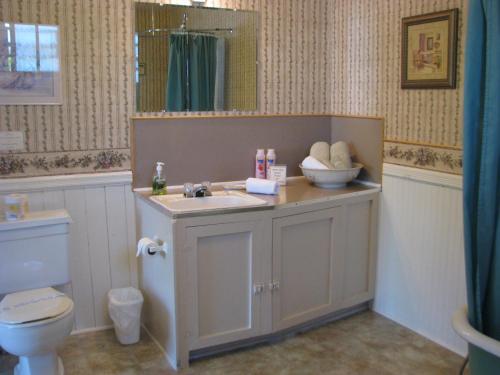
{"x":237,"y":276}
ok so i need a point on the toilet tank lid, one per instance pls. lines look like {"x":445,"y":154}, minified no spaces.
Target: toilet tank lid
{"x":32,"y":305}
{"x":37,"y":219}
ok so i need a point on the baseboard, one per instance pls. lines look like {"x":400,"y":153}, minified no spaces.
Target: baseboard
{"x":172,"y":362}
{"x":425,"y":335}
{"x":93,"y":329}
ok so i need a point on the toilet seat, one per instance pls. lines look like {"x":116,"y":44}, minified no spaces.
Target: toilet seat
{"x":33,"y":306}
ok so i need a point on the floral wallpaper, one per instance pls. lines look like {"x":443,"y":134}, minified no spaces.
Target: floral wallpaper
{"x":315,"y":56}
{"x":423,"y":128}
{"x":90,"y":130}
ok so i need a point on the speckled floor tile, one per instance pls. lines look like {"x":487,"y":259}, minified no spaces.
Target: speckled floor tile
{"x":364,"y":344}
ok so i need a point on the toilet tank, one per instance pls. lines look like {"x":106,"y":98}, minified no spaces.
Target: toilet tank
{"x":34,"y":251}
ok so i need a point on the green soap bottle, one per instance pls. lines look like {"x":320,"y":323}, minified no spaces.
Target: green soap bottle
{"x":159,"y":182}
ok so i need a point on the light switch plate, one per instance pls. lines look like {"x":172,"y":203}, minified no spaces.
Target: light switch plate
{"x":11,"y":141}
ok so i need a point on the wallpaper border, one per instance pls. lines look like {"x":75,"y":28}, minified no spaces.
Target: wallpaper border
{"x":53,"y":163}
{"x":433,"y":157}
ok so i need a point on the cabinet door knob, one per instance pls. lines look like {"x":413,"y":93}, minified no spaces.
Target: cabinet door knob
{"x":258,"y":288}
{"x":274,"y":285}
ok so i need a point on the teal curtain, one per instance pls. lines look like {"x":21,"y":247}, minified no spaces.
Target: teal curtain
{"x":177,"y":88}
{"x":481,"y":176}
{"x":202,"y":62}
{"x":191,"y":72}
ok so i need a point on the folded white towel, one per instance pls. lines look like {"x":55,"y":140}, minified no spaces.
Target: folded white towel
{"x":340,"y":156}
{"x":260,"y":186}
{"x":313,"y":163}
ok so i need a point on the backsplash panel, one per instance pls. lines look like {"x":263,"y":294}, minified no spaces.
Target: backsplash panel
{"x":220,"y":148}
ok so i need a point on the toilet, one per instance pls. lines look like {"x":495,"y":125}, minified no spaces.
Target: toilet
{"x":35,"y":318}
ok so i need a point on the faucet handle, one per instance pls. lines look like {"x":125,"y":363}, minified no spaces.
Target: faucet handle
{"x":203,"y":190}
{"x":188,"y":190}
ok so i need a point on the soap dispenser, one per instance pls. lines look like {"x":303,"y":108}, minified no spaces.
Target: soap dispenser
{"x":159,"y":182}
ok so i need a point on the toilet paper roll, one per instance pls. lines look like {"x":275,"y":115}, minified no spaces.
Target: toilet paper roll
{"x":143,"y":245}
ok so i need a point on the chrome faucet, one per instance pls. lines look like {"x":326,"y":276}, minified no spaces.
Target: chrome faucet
{"x":203,"y":190}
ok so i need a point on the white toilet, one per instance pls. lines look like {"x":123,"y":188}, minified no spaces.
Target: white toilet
{"x":35,"y":318}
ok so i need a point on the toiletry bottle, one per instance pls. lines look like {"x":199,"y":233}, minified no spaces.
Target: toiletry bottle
{"x":159,"y":182}
{"x":260,"y":164}
{"x":270,"y":160}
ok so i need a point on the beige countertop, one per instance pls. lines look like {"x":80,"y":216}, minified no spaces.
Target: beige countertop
{"x":301,"y":191}
{"x":298,"y":191}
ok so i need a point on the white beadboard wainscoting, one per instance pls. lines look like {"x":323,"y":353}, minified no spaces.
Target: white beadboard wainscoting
{"x":102,"y":235}
{"x":420,"y":271}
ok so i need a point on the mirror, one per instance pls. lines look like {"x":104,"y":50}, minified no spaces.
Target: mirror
{"x":195,"y":58}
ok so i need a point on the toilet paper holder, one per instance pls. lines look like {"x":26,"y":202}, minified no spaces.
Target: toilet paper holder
{"x":162,"y":246}
{"x":156,"y":246}
{"x":155,"y":249}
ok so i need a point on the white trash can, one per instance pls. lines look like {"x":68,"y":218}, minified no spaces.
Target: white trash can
{"x":124,"y":306}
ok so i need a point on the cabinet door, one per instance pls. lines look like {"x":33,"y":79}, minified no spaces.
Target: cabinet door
{"x":358,"y":258}
{"x":223,"y":294}
{"x":304,"y":249}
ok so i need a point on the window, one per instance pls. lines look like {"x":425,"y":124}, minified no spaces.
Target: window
{"x":29,"y":48}
{"x":29,"y":64}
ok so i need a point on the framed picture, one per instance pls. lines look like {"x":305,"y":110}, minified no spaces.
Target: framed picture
{"x":30,"y":64}
{"x":429,"y":50}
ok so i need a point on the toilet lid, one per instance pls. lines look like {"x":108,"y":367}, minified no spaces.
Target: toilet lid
{"x":32,"y":305}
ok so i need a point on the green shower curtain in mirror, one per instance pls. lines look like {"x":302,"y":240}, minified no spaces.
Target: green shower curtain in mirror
{"x":177,"y":95}
{"x":191,"y":72}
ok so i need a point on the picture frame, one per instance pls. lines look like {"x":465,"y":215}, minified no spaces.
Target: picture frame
{"x":30,"y":64}
{"x":429,"y":50}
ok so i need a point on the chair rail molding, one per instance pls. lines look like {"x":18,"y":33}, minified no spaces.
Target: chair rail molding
{"x":27,"y":184}
{"x":423,"y":175}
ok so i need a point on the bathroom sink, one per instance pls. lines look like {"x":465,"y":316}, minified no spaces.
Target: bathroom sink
{"x":220,"y":200}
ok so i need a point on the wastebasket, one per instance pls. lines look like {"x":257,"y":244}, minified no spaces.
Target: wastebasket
{"x":124,"y":306}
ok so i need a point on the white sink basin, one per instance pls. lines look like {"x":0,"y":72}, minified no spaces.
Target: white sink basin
{"x":220,"y":200}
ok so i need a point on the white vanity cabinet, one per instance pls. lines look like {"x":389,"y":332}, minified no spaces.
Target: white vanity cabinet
{"x":234,"y":278}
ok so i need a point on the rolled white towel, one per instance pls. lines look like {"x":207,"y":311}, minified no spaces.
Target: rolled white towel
{"x":313,"y":163}
{"x":320,"y":151}
{"x":340,"y":157}
{"x":260,"y":186}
